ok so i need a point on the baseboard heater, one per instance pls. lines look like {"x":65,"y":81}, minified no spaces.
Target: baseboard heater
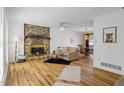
{"x":116,"y":67}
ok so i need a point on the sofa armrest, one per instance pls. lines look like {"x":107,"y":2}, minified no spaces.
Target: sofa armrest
{"x":73,"y":56}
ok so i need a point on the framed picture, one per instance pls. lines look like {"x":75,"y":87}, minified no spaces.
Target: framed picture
{"x":110,"y":35}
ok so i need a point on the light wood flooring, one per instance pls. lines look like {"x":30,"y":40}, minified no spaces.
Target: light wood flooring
{"x":38,"y":73}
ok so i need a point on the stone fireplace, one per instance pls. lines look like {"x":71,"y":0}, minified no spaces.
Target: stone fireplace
{"x":37,"y":40}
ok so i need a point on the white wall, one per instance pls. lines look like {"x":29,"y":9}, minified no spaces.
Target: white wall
{"x":105,"y":52}
{"x":15,"y":29}
{"x":58,"y":38}
{"x":63,"y":38}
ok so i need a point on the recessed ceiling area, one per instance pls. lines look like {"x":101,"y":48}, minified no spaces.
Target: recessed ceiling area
{"x":78,"y":17}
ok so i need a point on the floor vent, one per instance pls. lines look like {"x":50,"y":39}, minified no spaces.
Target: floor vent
{"x":111,"y":66}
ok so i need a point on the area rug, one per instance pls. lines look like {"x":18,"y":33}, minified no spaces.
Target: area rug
{"x":63,"y":84}
{"x":58,"y":61}
{"x":71,"y":73}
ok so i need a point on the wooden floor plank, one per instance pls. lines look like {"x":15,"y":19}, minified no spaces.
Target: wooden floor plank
{"x":38,"y":73}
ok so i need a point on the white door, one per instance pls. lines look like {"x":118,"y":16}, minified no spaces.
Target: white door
{"x":1,"y":44}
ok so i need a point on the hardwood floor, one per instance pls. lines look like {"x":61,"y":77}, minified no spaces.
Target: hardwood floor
{"x":38,"y":73}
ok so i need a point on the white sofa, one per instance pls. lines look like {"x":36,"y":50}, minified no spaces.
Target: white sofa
{"x":71,"y":54}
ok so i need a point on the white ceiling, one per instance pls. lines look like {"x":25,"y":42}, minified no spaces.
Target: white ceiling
{"x":77,"y":17}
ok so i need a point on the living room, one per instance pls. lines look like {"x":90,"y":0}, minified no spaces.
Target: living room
{"x":59,"y":31}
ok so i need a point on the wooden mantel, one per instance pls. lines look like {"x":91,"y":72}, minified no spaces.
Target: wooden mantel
{"x":37,"y":36}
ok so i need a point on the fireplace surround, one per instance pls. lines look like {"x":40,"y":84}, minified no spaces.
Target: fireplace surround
{"x":37,"y":40}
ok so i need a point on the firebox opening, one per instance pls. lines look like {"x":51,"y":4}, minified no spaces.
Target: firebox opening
{"x":37,"y":51}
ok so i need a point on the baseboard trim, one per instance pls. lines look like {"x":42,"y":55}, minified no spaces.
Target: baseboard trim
{"x":108,"y":71}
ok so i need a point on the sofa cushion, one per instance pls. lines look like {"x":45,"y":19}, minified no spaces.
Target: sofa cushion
{"x":72,"y":49}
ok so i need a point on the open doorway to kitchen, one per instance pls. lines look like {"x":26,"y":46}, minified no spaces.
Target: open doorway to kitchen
{"x":87,"y":44}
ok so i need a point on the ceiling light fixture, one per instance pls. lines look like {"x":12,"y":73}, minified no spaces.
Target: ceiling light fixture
{"x":63,"y":26}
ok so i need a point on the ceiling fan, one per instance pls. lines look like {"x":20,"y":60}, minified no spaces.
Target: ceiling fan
{"x":63,"y":26}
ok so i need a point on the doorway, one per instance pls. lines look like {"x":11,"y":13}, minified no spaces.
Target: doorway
{"x":87,"y":36}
